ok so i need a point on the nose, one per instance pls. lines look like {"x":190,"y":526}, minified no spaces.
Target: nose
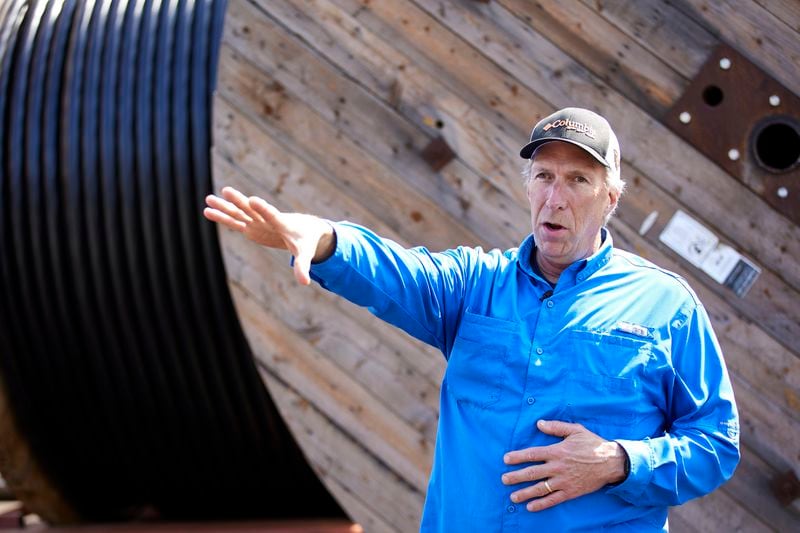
{"x":555,"y":198}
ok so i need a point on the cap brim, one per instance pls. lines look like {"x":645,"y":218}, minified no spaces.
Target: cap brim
{"x":528,"y":149}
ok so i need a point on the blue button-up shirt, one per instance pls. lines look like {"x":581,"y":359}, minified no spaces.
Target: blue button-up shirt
{"x":619,"y":345}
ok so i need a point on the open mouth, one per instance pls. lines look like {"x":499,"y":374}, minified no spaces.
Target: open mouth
{"x":552,"y":226}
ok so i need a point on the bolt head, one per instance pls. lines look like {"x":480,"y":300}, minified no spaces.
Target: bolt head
{"x":685,"y":117}
{"x":783,"y":192}
{"x":724,"y":63}
{"x":774,"y":100}
{"x":733,"y":154}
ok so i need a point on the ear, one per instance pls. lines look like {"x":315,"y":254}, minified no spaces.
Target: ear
{"x":613,"y":198}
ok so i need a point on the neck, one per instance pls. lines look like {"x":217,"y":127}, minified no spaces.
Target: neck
{"x":552,"y":271}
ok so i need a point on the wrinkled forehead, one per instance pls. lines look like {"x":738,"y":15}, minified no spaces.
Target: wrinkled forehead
{"x":565,"y":156}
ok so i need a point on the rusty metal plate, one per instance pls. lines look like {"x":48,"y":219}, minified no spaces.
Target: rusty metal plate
{"x":746,"y":122}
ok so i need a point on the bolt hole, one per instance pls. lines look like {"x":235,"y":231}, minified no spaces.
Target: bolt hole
{"x":439,"y":124}
{"x":712,"y":95}
{"x":777,"y":145}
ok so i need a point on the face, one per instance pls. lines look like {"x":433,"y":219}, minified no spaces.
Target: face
{"x":569,"y":199}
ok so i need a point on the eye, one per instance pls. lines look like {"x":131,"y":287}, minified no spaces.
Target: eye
{"x":581,"y":179}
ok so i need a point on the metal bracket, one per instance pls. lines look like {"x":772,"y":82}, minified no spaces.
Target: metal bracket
{"x":747,"y":123}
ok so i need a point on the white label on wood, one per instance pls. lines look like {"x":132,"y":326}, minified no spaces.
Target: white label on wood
{"x":690,"y":239}
{"x":702,"y":248}
{"x":721,"y":262}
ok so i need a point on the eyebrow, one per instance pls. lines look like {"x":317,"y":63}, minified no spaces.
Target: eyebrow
{"x":547,"y":168}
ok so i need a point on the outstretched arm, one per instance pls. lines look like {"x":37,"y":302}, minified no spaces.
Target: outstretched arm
{"x":307,"y":237}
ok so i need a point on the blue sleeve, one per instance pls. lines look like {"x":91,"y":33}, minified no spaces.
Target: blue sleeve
{"x":416,"y":290}
{"x":700,"y":449}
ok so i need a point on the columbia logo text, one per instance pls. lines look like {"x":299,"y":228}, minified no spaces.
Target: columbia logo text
{"x":580,"y":127}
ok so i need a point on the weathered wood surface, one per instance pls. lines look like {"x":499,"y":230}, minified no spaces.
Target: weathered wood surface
{"x":324,"y":106}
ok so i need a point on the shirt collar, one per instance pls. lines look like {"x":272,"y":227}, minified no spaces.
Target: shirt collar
{"x":577,"y":271}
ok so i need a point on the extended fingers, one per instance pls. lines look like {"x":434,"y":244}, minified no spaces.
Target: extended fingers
{"x":228,"y":208}
{"x":215,"y":215}
{"x":264,"y":209}
{"x":239,"y":200}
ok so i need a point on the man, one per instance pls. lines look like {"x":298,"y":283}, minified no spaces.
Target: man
{"x":585,"y":388}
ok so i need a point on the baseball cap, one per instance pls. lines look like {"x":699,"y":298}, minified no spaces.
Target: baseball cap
{"x":582,"y":128}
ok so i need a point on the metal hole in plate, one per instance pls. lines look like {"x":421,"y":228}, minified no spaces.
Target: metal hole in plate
{"x":776,"y":144}
{"x":713,"y":95}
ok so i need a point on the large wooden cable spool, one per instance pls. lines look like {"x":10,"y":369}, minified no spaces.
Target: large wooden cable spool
{"x":406,"y":116}
{"x":128,"y":389}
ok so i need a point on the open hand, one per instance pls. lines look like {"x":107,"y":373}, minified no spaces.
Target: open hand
{"x":581,"y":463}
{"x":307,"y":237}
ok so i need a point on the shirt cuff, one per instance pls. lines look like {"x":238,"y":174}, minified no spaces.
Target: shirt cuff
{"x":640,"y":455}
{"x":331,"y":268}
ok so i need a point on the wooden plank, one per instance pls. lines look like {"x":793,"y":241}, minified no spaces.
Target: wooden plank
{"x":411,"y":100}
{"x":661,"y":28}
{"x":755,"y":32}
{"x":772,"y":302}
{"x":297,"y":184}
{"x":372,"y":496}
{"x":316,"y":140}
{"x":397,"y":79}
{"x":651,"y":149}
{"x":385,"y":374}
{"x":592,"y":41}
{"x":750,"y":488}
{"x":718,"y":512}
{"x":341,"y":398}
{"x":787,"y":11}
{"x":775,"y":438}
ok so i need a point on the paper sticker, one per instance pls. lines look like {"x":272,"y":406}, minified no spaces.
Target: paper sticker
{"x":720,"y":262}
{"x":702,"y":248}
{"x":690,"y":239}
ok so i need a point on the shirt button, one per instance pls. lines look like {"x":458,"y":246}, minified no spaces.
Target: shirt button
{"x":549,"y":303}
{"x":531,"y":400}
{"x":511,"y":508}
{"x":539,"y":351}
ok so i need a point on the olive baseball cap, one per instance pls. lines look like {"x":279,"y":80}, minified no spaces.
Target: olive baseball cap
{"x":581,"y":127}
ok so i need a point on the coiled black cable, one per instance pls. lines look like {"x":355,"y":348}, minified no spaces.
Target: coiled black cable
{"x":122,"y":356}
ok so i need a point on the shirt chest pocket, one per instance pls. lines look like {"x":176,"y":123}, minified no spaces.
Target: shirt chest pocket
{"x":604,"y":384}
{"x":477,"y":368}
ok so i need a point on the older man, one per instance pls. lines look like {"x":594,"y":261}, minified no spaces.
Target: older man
{"x":585,"y":388}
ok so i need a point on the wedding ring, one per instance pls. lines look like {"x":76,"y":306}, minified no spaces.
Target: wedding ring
{"x":547,"y":486}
